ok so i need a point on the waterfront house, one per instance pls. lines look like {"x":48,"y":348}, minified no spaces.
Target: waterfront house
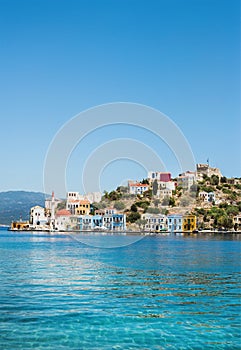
{"x":174,"y":222}
{"x":112,"y":222}
{"x":155,"y":222}
{"x":62,"y":221}
{"x":85,"y":222}
{"x":237,"y":222}
{"x":38,"y":216}
{"x":118,"y":222}
{"x":189,"y":223}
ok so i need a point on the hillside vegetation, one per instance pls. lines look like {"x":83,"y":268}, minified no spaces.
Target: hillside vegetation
{"x":214,"y":215}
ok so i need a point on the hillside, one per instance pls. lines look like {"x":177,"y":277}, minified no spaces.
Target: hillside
{"x":210,"y":215}
{"x":16,"y":204}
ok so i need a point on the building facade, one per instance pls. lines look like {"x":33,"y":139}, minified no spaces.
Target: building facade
{"x":113,"y":222}
{"x":137,"y":188}
{"x":62,"y":220}
{"x":159,"y":176}
{"x":38,"y":216}
{"x":155,"y":222}
{"x":208,"y":197}
{"x":205,"y":169}
{"x":174,"y":222}
{"x":189,"y":223}
{"x":186,"y":180}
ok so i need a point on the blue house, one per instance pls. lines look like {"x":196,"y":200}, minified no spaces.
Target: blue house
{"x":114,"y":222}
{"x":174,"y":222}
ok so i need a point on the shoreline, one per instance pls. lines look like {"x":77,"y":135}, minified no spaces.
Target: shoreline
{"x":126,"y":232}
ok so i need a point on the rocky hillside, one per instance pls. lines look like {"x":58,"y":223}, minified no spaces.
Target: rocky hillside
{"x":215,"y":214}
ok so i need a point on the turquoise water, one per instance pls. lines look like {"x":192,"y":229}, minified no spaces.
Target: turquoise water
{"x":157,"y":293}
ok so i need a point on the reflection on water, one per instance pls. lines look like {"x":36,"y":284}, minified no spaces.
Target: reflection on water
{"x":160,"y":292}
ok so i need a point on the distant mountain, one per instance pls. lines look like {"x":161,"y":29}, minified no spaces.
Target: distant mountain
{"x":16,"y":204}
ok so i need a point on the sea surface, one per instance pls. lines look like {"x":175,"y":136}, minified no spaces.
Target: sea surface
{"x":62,"y":291}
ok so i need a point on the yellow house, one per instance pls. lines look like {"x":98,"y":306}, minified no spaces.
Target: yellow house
{"x":83,"y":207}
{"x":189,"y":223}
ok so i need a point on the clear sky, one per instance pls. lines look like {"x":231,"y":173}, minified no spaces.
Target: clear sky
{"x":60,"y":57}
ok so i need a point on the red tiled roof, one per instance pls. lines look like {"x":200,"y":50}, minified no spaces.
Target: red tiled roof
{"x":63,"y":212}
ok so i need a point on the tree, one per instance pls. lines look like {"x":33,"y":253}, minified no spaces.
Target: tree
{"x":232,"y":210}
{"x":132,"y":217}
{"x":214,"y":180}
{"x":61,"y":205}
{"x":223,"y":179}
{"x":145,"y":182}
{"x":154,"y":187}
{"x":171,"y":202}
{"x":141,"y":222}
{"x":114,"y":195}
{"x":134,"y":208}
{"x":225,"y":222}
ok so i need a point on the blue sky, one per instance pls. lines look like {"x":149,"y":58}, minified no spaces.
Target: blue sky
{"x":59,"y":58}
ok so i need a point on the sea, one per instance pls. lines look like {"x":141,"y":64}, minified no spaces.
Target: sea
{"x":96,"y":291}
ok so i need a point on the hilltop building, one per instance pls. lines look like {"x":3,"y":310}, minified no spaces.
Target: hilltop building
{"x":159,"y":176}
{"x":205,"y":169}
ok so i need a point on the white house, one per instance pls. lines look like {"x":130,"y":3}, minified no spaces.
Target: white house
{"x":62,"y":221}
{"x":137,"y":188}
{"x":38,"y":216}
{"x":207,"y":197}
{"x":155,"y":222}
{"x":237,"y":221}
